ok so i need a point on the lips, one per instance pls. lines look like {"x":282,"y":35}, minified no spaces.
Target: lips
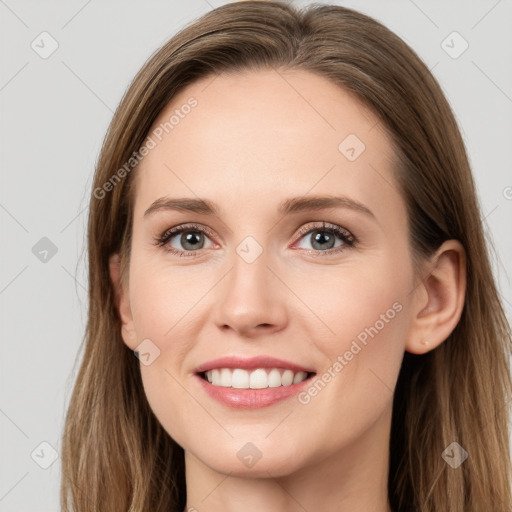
{"x":253,"y":382}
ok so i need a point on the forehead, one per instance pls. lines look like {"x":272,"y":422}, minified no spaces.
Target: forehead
{"x":239,"y":138}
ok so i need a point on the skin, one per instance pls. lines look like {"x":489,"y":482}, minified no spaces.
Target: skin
{"x":255,"y":139}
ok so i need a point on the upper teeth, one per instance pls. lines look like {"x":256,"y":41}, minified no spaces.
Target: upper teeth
{"x":255,"y":379}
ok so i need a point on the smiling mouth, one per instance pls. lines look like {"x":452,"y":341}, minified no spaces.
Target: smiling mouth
{"x":259,"y":378}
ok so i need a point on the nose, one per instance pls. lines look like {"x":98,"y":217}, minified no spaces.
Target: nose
{"x":251,"y":299}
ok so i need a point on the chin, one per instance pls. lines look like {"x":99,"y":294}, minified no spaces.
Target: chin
{"x":250,"y":459}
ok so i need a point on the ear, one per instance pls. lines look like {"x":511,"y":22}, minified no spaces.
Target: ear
{"x":439,"y":299}
{"x":122,"y":302}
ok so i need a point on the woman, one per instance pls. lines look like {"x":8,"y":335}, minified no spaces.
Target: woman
{"x":284,"y":230}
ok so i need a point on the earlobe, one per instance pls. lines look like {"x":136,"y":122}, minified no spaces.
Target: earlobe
{"x":122,"y":302}
{"x":439,"y":300}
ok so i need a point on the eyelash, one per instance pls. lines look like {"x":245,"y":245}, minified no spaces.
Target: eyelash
{"x":348,"y":239}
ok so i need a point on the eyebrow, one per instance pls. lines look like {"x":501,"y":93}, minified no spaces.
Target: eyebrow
{"x":291,"y":205}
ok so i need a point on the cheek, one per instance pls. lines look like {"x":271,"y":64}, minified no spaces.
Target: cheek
{"x":362,"y":333}
{"x":355,"y":302}
{"x":165,"y":305}
{"x":370,"y":312}
{"x":178,"y":412}
{"x":163,"y":300}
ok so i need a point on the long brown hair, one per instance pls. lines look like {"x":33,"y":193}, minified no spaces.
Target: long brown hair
{"x":117,"y":456}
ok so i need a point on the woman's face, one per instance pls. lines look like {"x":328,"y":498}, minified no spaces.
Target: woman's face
{"x":263,"y":277}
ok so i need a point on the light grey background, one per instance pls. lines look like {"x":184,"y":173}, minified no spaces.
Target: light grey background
{"x":54,"y":113}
